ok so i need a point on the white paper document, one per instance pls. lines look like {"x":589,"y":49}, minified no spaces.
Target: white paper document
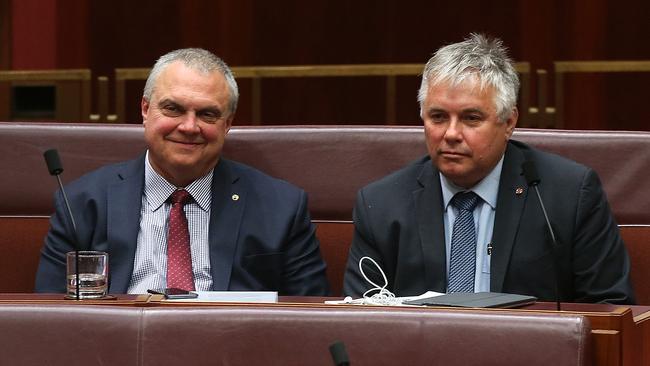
{"x":233,"y":296}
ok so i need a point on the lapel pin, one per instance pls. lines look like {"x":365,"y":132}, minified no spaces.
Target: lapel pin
{"x":519,"y":191}
{"x":235,"y":197}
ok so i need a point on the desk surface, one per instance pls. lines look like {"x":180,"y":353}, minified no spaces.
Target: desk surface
{"x":639,"y":312}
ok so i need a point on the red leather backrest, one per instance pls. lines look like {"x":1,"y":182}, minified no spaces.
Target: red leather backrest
{"x":331,"y":163}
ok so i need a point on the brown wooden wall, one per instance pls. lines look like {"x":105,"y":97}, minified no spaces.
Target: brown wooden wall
{"x":103,"y":35}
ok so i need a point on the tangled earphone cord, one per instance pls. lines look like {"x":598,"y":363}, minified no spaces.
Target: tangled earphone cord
{"x":383,"y":296}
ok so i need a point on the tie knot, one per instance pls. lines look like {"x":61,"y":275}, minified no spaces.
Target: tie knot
{"x":180,"y":196}
{"x":465,"y":201}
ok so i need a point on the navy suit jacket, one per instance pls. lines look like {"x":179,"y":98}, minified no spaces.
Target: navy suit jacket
{"x":264,"y":241}
{"x":399,"y":223}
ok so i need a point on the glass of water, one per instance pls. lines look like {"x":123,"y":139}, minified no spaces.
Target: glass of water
{"x":93,"y":274}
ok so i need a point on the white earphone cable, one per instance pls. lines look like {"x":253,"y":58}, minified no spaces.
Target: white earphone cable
{"x":383,"y":296}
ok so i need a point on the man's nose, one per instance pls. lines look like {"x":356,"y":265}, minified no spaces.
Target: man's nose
{"x":189,"y":122}
{"x":454,"y":130}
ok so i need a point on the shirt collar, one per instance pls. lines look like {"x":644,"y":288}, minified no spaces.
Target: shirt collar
{"x":157,"y":189}
{"x":487,"y":188}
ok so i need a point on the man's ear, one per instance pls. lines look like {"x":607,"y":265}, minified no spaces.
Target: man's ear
{"x":511,"y":122}
{"x":229,"y":123}
{"x":144,"y":108}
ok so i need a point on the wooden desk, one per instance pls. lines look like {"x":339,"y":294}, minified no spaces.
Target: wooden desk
{"x":621,"y":334}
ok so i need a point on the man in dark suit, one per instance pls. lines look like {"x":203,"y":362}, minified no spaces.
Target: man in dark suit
{"x":463,"y":219}
{"x":244,"y":230}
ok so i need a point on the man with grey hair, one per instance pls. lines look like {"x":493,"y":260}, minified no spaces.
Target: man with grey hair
{"x":463,"y":218}
{"x":180,"y":216}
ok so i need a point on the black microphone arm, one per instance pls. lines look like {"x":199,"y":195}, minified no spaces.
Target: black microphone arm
{"x":532,"y":178}
{"x":339,"y":354}
{"x":54,"y":166}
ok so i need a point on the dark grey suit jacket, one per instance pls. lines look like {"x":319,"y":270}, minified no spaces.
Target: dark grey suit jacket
{"x":399,"y":223}
{"x":263,"y":241}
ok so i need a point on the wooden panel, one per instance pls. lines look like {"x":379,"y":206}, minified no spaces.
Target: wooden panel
{"x":72,"y":91}
{"x":312,"y":79}
{"x":5,"y":34}
{"x":645,"y":338}
{"x":594,"y":75}
{"x":293,"y":32}
{"x":34,"y":36}
{"x":73,"y":47}
{"x":607,"y":347}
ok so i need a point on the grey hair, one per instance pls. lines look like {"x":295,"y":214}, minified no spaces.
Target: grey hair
{"x":480,"y":57}
{"x":198,"y":59}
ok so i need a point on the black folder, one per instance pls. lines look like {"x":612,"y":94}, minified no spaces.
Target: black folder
{"x":476,"y":300}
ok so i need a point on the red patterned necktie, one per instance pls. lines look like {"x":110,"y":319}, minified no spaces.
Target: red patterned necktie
{"x":179,"y":257}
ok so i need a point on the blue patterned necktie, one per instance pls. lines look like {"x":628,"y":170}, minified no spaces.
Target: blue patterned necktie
{"x":462,"y":265}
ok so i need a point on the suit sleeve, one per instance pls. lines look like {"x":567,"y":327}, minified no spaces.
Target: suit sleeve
{"x":50,"y":275}
{"x":363,"y":245}
{"x":304,"y":273}
{"x":600,"y":260}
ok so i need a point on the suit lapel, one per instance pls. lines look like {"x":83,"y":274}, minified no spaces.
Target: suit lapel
{"x":509,"y":210}
{"x":123,"y":222}
{"x":226,"y":210}
{"x":428,"y":206}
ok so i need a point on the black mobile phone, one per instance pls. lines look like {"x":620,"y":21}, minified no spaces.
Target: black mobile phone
{"x":175,"y":293}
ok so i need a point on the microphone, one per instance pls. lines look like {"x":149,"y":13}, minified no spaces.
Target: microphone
{"x":532,"y":178}
{"x":339,"y":355}
{"x":55,"y":168}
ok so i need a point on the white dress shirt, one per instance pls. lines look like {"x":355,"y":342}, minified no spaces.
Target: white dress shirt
{"x":150,"y":264}
{"x":484,"y":213}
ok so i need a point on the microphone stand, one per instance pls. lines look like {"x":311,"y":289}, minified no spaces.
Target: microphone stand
{"x":74,"y":229}
{"x":339,"y":354}
{"x":555,"y":262}
{"x":54,"y":167}
{"x":529,"y":172}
